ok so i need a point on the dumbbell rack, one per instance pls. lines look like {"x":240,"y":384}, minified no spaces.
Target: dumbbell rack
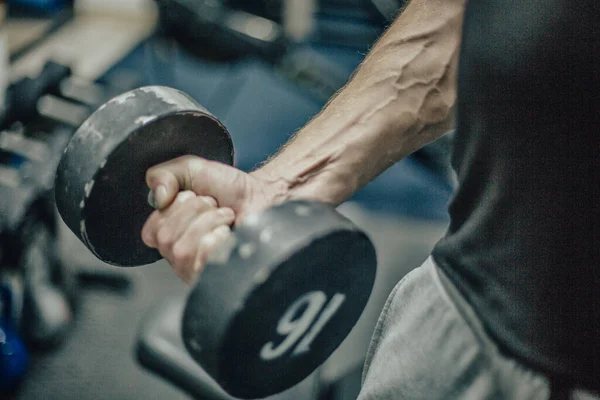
{"x":42,"y":114}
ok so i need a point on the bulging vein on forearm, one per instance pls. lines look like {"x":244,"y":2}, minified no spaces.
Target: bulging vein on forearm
{"x":395,"y":103}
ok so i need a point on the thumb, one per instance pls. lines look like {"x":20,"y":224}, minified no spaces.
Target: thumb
{"x":204,"y":177}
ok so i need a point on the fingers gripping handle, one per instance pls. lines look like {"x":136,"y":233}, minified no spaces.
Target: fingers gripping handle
{"x":152,"y":200}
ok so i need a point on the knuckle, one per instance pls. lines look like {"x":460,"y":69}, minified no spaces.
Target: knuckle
{"x":165,"y":237}
{"x":154,"y":173}
{"x":216,"y":214}
{"x":182,"y":252}
{"x":147,"y":236}
{"x":207,"y":220}
{"x":151,"y":177}
{"x":200,"y":204}
{"x":225,"y":214}
{"x":195,"y":168}
{"x":195,"y":164}
{"x":184,"y":196}
{"x":186,"y":158}
{"x":152,"y":170}
{"x":208,"y":201}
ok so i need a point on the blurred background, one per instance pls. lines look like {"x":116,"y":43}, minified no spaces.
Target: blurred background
{"x":72,"y":327}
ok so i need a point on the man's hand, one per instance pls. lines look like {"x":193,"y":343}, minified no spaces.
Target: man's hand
{"x":197,"y":201}
{"x":187,"y":230}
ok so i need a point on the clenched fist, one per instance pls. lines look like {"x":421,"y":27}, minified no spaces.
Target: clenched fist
{"x":187,"y":230}
{"x":197,"y":201}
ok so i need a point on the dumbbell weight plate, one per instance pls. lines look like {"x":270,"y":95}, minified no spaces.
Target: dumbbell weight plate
{"x":100,"y":181}
{"x":284,"y":291}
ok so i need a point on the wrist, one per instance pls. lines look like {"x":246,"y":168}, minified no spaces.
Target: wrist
{"x":274,"y":188}
{"x":309,"y":179}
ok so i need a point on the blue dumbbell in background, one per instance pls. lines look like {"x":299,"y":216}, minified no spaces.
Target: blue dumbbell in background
{"x":14,"y":357}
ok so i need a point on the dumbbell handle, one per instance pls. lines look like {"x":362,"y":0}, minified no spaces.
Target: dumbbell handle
{"x":23,"y":95}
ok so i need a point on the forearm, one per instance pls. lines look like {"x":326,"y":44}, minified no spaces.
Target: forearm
{"x":400,"y":99}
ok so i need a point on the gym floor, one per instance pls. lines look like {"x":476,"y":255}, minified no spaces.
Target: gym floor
{"x":96,"y":361}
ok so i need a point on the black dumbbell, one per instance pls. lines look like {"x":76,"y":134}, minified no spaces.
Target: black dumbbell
{"x":23,"y":95}
{"x":32,"y":99}
{"x":274,"y":301}
{"x":28,"y":242}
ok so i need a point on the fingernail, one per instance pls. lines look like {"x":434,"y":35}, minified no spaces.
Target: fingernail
{"x":160,"y":195}
{"x":226,"y":212}
{"x":152,"y":200}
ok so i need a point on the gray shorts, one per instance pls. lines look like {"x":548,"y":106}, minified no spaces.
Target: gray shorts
{"x":427,"y":346}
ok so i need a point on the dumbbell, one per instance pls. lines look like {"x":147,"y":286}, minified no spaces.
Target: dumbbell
{"x":14,"y":357}
{"x":31,"y":98}
{"x":274,"y":300}
{"x":28,"y":237}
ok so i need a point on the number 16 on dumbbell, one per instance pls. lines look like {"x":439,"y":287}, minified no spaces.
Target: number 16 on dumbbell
{"x":274,"y":301}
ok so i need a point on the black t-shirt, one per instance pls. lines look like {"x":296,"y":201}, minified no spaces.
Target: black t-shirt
{"x":524,"y":239}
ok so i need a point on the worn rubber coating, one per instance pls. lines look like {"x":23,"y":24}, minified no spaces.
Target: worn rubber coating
{"x":100,"y":186}
{"x":292,"y":251}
